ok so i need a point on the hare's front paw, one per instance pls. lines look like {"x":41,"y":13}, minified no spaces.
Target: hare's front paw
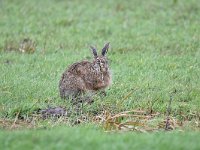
{"x":102,"y":93}
{"x":83,"y":99}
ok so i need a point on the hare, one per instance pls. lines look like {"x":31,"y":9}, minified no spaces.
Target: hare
{"x":85,"y":76}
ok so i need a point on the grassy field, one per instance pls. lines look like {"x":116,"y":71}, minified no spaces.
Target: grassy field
{"x":90,"y":138}
{"x":154,"y":55}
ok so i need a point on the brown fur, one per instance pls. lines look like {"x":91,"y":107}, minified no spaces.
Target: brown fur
{"x":86,"y":76}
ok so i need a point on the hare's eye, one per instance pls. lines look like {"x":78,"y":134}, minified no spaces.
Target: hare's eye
{"x":98,"y":61}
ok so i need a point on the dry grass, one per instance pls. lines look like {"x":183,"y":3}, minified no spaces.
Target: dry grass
{"x":134,"y":120}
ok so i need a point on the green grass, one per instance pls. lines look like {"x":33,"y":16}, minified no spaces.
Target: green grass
{"x":154,"y":54}
{"x":90,"y":138}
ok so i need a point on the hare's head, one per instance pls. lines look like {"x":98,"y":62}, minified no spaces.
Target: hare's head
{"x":100,"y":61}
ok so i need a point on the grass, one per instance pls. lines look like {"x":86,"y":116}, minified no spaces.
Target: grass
{"x":90,"y":138}
{"x":154,"y":54}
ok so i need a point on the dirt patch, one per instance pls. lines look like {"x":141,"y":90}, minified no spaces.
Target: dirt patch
{"x":15,"y":124}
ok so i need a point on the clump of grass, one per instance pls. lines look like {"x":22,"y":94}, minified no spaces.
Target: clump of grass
{"x":24,"y":46}
{"x":27,"y":46}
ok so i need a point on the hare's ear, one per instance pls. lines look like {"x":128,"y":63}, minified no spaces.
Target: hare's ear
{"x":105,"y":49}
{"x":94,"y":51}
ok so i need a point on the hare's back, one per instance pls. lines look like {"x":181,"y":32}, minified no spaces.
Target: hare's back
{"x":79,"y":67}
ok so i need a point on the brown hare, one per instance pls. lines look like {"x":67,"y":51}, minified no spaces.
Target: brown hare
{"x":85,"y":76}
